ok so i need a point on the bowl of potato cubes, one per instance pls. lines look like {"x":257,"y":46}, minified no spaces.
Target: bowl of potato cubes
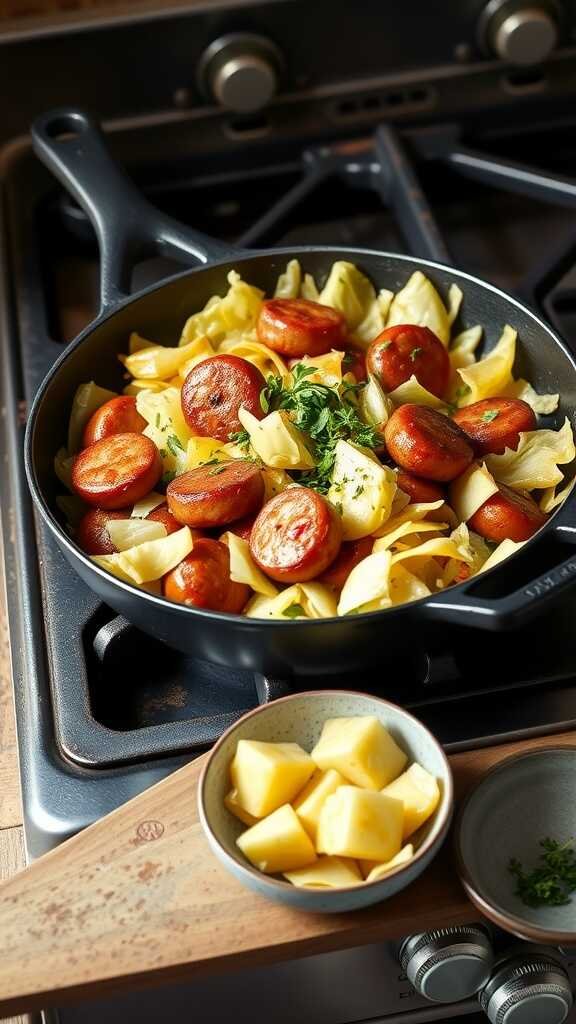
{"x":328,"y":801}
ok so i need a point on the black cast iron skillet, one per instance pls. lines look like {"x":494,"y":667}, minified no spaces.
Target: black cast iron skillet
{"x":129,"y":229}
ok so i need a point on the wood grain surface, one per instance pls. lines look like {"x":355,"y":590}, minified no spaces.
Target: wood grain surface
{"x":138,"y":899}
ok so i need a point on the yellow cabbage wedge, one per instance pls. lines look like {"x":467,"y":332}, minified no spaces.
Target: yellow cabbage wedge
{"x":167,"y":427}
{"x":455,"y":296}
{"x":277,"y":441}
{"x":350,"y":292}
{"x":128,"y":533}
{"x":262,"y":357}
{"x":136,"y":343}
{"x":238,"y":310}
{"x":478,"y":549}
{"x":148,"y":562}
{"x":411,"y":391}
{"x":136,"y":386}
{"x":552,"y":497}
{"x":160,"y":362}
{"x":200,"y":450}
{"x":367,"y":588}
{"x":88,"y":398}
{"x":490,"y":376}
{"x":461,"y":355}
{"x":327,"y":368}
{"x":506,"y":548}
{"x":361,"y":489}
{"x":375,"y":319}
{"x":198,"y":351}
{"x":63,"y":463}
{"x":275,"y":481}
{"x":542,"y":405}
{"x":470,"y":490}
{"x":405,"y":586}
{"x":309,"y":289}
{"x":300,"y":601}
{"x":243,"y":568}
{"x":415,"y":512}
{"x":419,"y":303}
{"x":375,"y":406}
{"x":288,"y":283}
{"x":146,"y":505}
{"x":535,"y":462}
{"x":405,"y":530}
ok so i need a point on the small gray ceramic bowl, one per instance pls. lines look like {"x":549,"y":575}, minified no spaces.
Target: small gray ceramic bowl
{"x":299,"y":719}
{"x":526,"y":798}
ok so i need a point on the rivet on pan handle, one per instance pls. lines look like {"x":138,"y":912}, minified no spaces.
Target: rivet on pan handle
{"x":127,"y":226}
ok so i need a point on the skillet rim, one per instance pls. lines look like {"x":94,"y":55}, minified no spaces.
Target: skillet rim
{"x":203,"y":613}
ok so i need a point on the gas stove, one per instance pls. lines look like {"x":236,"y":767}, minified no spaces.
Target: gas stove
{"x":458,"y":157}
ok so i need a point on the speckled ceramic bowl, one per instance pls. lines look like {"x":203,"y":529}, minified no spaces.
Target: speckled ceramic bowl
{"x":526,"y":798}
{"x":299,"y":719}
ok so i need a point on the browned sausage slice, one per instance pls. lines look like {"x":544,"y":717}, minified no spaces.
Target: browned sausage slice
{"x":202,"y":579}
{"x":507,"y":514}
{"x":213,"y":392}
{"x":216,"y":495}
{"x":427,"y":444}
{"x":407,"y":350}
{"x":495,"y":423}
{"x":116,"y":471}
{"x":162,"y":514}
{"x":298,"y":327}
{"x":118,"y":416}
{"x":418,"y":489}
{"x":92,"y":530}
{"x":296,"y":536}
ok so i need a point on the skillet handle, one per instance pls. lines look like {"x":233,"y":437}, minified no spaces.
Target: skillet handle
{"x":513,"y":610}
{"x":127,"y":226}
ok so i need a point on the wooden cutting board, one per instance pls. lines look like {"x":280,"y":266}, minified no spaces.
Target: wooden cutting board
{"x":138,"y":899}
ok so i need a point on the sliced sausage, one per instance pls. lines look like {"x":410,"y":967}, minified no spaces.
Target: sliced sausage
{"x":216,"y":495}
{"x":355,"y":362}
{"x":351,"y":553}
{"x":427,"y":443}
{"x":296,"y":536}
{"x":298,"y":327}
{"x":418,"y":489}
{"x":116,"y":471}
{"x":508,"y":513}
{"x":407,"y":350}
{"x":495,"y":423}
{"x":92,"y":530}
{"x":118,"y":416}
{"x":202,"y":579}
{"x":213,"y":392}
{"x":162,"y":514}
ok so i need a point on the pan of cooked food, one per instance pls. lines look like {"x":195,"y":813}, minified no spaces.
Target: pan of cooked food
{"x":299,"y":460}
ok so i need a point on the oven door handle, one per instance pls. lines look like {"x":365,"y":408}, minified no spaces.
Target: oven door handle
{"x":127,"y":226}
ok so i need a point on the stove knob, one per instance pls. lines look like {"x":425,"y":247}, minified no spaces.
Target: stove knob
{"x":240,"y":71}
{"x":448,"y":964}
{"x":532,"y":988}
{"x":521,"y":35}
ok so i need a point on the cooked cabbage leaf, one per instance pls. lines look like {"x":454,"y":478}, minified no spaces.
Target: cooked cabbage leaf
{"x":288,"y":283}
{"x":238,"y":310}
{"x":405,"y":530}
{"x":148,"y":561}
{"x":277,"y":441}
{"x":552,"y":497}
{"x":541,"y":404}
{"x":411,"y":391}
{"x":367,"y":588}
{"x":412,"y":512}
{"x":535,"y":462}
{"x":203,"y":449}
{"x":243,"y":569}
{"x":262,"y":357}
{"x":405,"y":586}
{"x":327,"y":368}
{"x":160,"y":362}
{"x":87,"y":399}
{"x":128,"y":533}
{"x":275,"y":481}
{"x":351,"y":292}
{"x":419,"y":303}
{"x":361,"y":489}
{"x":506,"y":548}
{"x":309,"y":289}
{"x":455,"y":296}
{"x":375,"y":406}
{"x":136,"y":343}
{"x":302,"y":600}
{"x":490,"y":376}
{"x":63,"y":463}
{"x":147,"y":505}
{"x":470,"y":490}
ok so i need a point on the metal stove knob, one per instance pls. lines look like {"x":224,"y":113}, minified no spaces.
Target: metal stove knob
{"x":448,"y":964}
{"x":521,"y":33}
{"x":240,"y":71}
{"x":531,"y":988}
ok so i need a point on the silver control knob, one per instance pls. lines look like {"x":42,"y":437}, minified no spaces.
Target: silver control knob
{"x":448,"y":964}
{"x":530,"y":988}
{"x":240,"y":71}
{"x":526,"y":37}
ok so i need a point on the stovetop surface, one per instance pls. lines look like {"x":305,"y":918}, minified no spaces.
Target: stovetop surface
{"x":104,"y":711}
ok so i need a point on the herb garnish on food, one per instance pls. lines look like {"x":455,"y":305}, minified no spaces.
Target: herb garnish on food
{"x":551,"y":883}
{"x":490,"y":415}
{"x":324,"y":414}
{"x":293,"y":611}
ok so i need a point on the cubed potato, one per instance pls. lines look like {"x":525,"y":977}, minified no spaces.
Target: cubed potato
{"x":267,"y":775}
{"x":374,"y":871}
{"x":278,"y":842}
{"x":308,"y":803}
{"x":419,"y":792}
{"x":231,"y":802}
{"x":360,"y":823}
{"x":326,"y":873}
{"x":361,"y":749}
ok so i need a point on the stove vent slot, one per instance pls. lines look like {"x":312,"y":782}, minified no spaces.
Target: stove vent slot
{"x":249,"y":126}
{"x":373,"y":105}
{"x":524,"y":80}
